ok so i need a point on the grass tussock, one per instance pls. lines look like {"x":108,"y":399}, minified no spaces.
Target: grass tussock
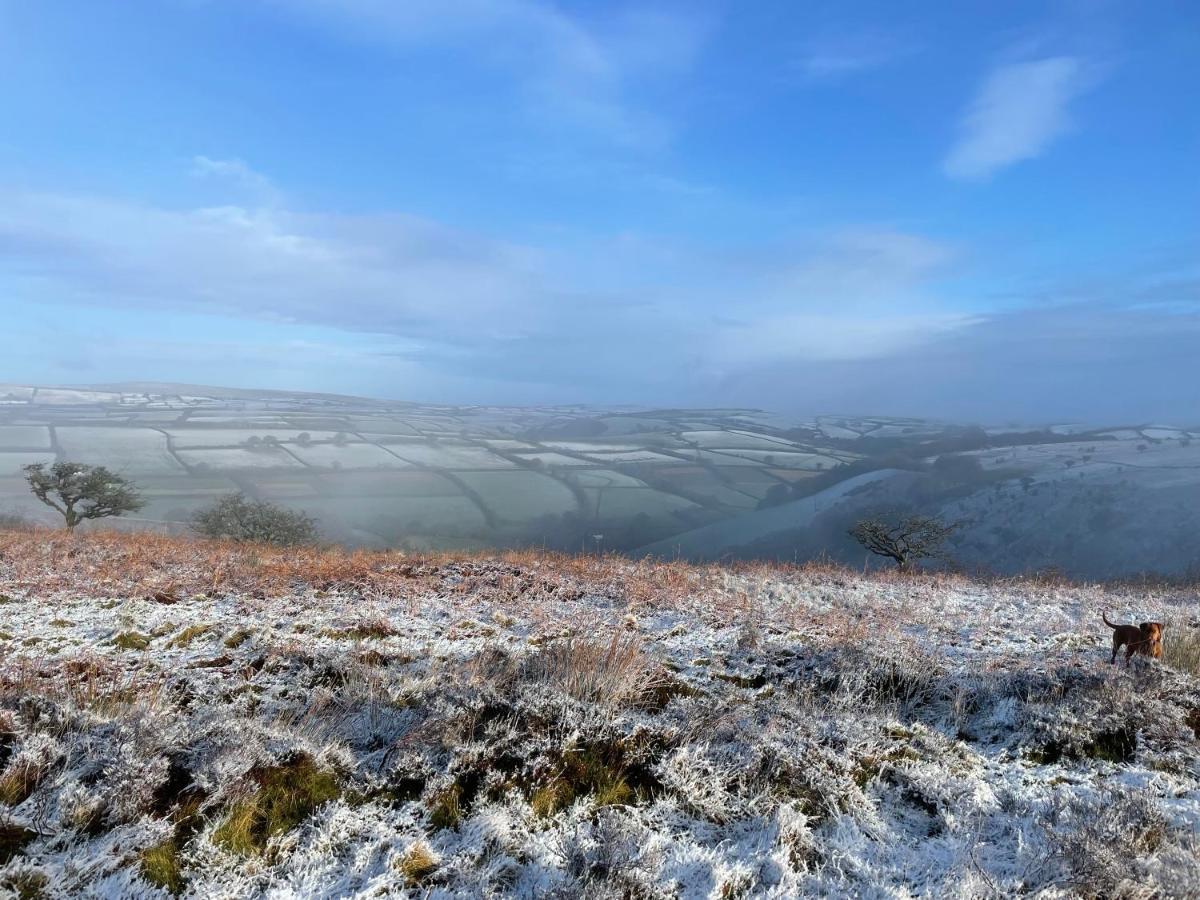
{"x":445,"y":807}
{"x":417,"y":864}
{"x":1181,"y":647}
{"x":21,"y":780}
{"x":606,"y":673}
{"x":161,"y":866}
{"x":283,"y":796}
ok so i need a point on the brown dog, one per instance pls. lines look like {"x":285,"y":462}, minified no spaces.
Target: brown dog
{"x":1145,"y":638}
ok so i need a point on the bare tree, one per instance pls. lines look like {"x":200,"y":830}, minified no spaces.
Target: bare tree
{"x":81,"y":492}
{"x":911,"y":539}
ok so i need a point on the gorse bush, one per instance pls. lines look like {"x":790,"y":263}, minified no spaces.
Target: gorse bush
{"x":236,"y":518}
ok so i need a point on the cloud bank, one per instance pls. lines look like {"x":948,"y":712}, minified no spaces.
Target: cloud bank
{"x":855,"y":317}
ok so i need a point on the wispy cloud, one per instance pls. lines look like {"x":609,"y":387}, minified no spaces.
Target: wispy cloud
{"x":581,"y":316}
{"x":583,"y":73}
{"x":834,"y":56}
{"x":237,"y":173}
{"x":1020,"y":110}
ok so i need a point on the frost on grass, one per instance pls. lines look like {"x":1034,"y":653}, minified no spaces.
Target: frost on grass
{"x":214,"y":720}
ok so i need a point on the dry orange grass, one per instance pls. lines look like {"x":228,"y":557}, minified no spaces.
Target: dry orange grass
{"x":123,"y":564}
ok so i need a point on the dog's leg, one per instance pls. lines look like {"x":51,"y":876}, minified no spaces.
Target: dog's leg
{"x":1116,"y":647}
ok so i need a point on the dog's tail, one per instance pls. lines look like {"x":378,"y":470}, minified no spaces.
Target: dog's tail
{"x":1106,"y":622}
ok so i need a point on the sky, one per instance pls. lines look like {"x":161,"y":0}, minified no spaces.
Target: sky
{"x":977,"y":211}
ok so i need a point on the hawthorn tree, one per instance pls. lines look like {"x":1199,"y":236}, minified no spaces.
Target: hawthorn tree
{"x":79,"y":491}
{"x":236,"y":518}
{"x":911,"y":539}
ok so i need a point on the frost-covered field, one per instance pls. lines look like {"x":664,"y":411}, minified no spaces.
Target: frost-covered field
{"x":224,"y":722}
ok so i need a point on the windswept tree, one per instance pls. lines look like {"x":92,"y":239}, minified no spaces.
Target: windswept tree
{"x":904,"y":542}
{"x":81,"y":492}
{"x":235,"y":518}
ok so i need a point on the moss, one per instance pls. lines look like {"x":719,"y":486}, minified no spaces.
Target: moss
{"x":131,"y":640}
{"x":61,"y":623}
{"x":417,"y":864}
{"x":189,"y":634}
{"x":13,"y":840}
{"x":4,"y":598}
{"x":31,"y":641}
{"x":238,"y":638}
{"x":161,"y":866}
{"x":285,"y":796}
{"x":5,"y":636}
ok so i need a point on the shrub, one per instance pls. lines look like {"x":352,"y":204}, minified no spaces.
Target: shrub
{"x":236,"y":518}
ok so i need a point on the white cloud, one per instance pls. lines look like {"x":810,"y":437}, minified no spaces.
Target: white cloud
{"x":1020,"y":109}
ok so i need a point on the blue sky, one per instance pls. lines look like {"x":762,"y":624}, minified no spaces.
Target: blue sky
{"x":974,"y":210}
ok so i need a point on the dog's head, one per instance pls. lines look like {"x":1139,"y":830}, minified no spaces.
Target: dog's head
{"x":1152,"y":633}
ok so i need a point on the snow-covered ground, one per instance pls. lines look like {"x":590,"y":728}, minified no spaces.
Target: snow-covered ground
{"x":241,"y":722}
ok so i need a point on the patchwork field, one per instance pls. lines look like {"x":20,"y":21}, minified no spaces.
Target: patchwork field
{"x":504,"y":476}
{"x":1090,"y":501}
{"x":206,"y":720}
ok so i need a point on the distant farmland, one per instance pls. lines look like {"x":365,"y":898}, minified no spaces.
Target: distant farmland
{"x":703,"y":484}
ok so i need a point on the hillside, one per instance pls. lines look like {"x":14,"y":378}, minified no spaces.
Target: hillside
{"x":213,"y":720}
